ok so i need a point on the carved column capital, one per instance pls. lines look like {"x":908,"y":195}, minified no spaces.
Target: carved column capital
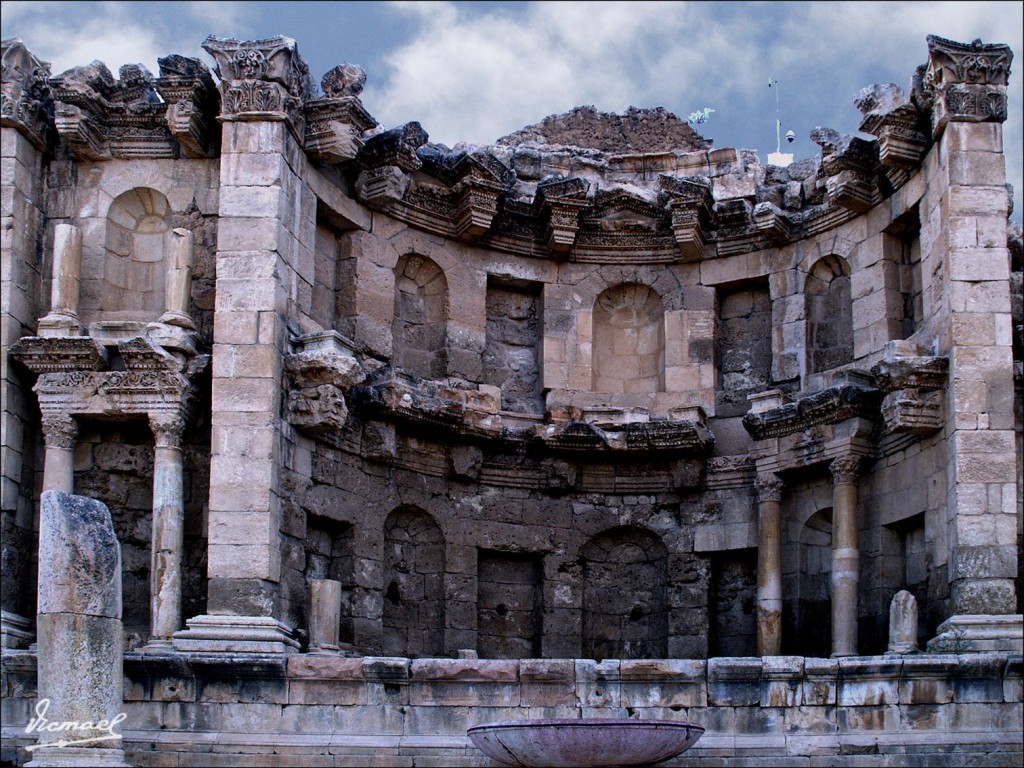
{"x":167,"y":428}
{"x":769,"y":486}
{"x":845,"y":469}
{"x":60,"y":430}
{"x":26,"y":102}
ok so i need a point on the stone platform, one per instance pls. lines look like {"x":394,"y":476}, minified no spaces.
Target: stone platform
{"x":300,"y":709}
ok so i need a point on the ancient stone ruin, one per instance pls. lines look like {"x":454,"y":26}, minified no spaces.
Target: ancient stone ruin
{"x":598,"y":421}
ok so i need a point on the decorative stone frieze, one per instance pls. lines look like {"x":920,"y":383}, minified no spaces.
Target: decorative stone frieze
{"x":26,"y":102}
{"x":336,"y":123}
{"x":965,"y":82}
{"x":261,"y":79}
{"x":830,"y":406}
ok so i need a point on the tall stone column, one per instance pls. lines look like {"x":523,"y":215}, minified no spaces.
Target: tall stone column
{"x":845,"y":555}
{"x":60,"y":432}
{"x":168,"y":529}
{"x":769,"y":565}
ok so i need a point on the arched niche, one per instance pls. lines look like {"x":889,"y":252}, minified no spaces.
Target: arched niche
{"x":829,"y":305}
{"x":413,"y":584}
{"x":628,"y":340}
{"x":814,"y":585}
{"x":134,"y":271}
{"x":625,"y":595}
{"x":420,"y":326}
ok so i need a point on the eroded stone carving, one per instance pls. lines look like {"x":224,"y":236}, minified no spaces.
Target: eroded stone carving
{"x":965,"y":81}
{"x":26,"y":102}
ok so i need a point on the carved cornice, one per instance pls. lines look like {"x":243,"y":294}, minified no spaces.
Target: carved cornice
{"x":319,"y":374}
{"x":829,"y":406}
{"x":72,"y":353}
{"x":26,"y":102}
{"x":924,"y":372}
{"x":913,"y":411}
{"x":897,"y":123}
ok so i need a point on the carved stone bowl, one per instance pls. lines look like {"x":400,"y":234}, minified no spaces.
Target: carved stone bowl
{"x":584,"y":742}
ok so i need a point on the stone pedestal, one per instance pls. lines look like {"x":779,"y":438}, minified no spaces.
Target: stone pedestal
{"x":235,"y":634}
{"x":80,"y":633}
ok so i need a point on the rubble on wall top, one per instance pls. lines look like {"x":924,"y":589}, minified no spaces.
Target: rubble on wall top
{"x":636,"y":130}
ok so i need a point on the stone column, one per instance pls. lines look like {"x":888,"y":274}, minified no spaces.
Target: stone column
{"x":845,"y":555}
{"x":179,"y":279}
{"x":168,"y":529}
{"x":59,"y":432}
{"x":81,"y":639}
{"x":62,"y":319}
{"x":769,"y":565}
{"x":902,"y":623}
{"x":324,"y":615}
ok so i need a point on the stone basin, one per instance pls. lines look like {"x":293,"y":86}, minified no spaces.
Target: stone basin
{"x":584,"y":742}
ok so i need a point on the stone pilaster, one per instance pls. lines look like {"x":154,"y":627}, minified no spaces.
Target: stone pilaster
{"x":264,"y":246}
{"x":845,"y":555}
{"x":769,"y":565}
{"x":965,"y":85}
{"x":168,"y":536}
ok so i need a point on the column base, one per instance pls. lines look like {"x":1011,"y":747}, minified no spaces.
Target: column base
{"x":56,"y":325}
{"x":16,"y":631}
{"x":235,"y":634}
{"x":341,"y":649}
{"x":72,"y":757}
{"x":979,"y":633}
{"x":158,"y":647}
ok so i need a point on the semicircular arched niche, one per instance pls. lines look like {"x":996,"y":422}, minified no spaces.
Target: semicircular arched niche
{"x":629,"y":340}
{"x":625,"y":595}
{"x":413,"y":584}
{"x":134,"y":273}
{"x":829,"y":314}
{"x":420,"y":326}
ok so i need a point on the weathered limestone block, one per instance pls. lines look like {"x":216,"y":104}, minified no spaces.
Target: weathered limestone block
{"x":80,"y":633}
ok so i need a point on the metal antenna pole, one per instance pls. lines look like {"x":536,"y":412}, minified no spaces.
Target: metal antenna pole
{"x":778,"y":120}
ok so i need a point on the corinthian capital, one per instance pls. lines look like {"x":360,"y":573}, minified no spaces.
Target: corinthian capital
{"x":845,"y":469}
{"x":167,"y":428}
{"x":26,"y":102}
{"x":769,"y":487}
{"x":60,"y":430}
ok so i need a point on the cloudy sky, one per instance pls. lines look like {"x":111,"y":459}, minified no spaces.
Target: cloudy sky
{"x":472,"y":72}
